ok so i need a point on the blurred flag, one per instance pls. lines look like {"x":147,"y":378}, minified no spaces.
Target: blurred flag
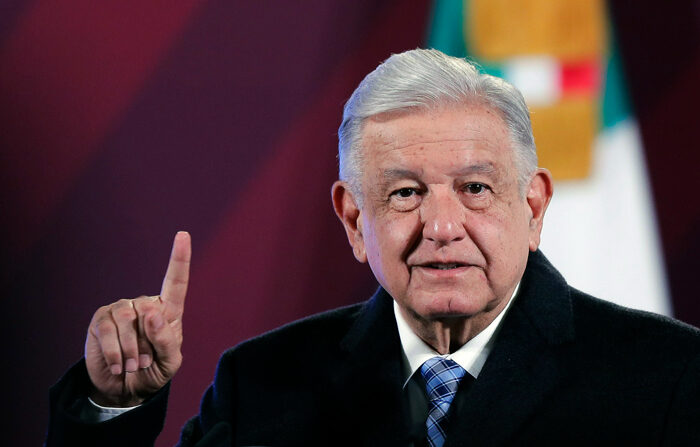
{"x":600,"y":229}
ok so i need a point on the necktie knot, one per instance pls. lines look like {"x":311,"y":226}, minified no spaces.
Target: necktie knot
{"x":442,"y":378}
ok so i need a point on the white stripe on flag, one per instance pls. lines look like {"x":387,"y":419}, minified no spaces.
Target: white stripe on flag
{"x":601,"y":232}
{"x":537,"y":78}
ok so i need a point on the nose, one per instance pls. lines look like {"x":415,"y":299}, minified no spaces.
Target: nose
{"x":443,"y":217}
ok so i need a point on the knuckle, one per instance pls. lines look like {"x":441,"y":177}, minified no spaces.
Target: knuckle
{"x":165,"y":339}
{"x":103,"y":309}
{"x":140,"y":300}
{"x":104,"y":327}
{"x":145,"y":305}
{"x":124,"y":302}
{"x":178,"y":339}
{"x":100,"y":314}
{"x":124,"y":314}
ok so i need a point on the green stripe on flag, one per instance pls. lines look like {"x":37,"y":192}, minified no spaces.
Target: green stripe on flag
{"x":616,"y":106}
{"x":445,"y":32}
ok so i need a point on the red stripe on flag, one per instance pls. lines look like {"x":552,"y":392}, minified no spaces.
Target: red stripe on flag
{"x":580,"y":77}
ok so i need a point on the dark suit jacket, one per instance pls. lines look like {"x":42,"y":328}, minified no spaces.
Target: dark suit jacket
{"x":566,"y":369}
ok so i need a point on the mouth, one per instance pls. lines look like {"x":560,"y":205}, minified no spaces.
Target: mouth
{"x":443,"y":266}
{"x":443,"y":271}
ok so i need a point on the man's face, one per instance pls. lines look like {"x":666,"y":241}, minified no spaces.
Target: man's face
{"x":444,"y":226}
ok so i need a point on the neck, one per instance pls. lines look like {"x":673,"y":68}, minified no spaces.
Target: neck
{"x":447,"y":335}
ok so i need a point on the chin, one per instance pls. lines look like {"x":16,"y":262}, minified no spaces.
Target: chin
{"x":442,"y":305}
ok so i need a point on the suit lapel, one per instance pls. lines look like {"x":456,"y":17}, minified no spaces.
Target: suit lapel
{"x":368,"y":387}
{"x":523,"y":367}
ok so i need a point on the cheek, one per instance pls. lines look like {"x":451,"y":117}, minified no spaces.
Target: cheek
{"x":488,"y":231}
{"x":498,"y":233}
{"x":389,"y":241}
{"x":397,"y":234}
{"x":510,"y":240}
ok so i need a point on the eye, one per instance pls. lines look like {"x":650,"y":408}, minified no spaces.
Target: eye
{"x":404,"y":193}
{"x":476,"y":188}
{"x":405,"y":199}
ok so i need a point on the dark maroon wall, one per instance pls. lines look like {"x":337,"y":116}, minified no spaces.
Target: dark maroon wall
{"x":660,"y":44}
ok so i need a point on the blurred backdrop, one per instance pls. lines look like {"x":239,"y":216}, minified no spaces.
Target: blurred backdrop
{"x":123,"y":122}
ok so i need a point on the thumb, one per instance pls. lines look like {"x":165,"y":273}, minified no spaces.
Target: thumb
{"x":166,"y":342}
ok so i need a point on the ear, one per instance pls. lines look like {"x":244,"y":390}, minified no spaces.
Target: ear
{"x":346,"y":209}
{"x":538,"y":197}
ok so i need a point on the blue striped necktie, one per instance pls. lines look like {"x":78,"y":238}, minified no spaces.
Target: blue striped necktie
{"x":442,"y":378}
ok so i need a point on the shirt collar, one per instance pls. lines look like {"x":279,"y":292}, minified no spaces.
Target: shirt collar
{"x":471,"y":356}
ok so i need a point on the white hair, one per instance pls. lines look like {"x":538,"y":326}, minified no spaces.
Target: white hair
{"x":421,"y":80}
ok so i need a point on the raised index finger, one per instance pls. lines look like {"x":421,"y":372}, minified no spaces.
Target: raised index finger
{"x":177,"y":276}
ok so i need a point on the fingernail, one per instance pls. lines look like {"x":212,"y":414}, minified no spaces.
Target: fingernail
{"x":131,"y":365}
{"x":144,"y":361}
{"x":157,"y":321}
{"x":116,"y":369}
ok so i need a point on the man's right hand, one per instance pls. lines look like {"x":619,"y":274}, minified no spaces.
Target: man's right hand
{"x":133,"y":346}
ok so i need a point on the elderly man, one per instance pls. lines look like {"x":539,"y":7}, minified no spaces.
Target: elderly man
{"x":472,"y":339}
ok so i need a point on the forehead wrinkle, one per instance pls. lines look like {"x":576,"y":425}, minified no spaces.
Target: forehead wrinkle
{"x":478,"y":168}
{"x":393,"y":174}
{"x":387,"y":136}
{"x":396,"y":144}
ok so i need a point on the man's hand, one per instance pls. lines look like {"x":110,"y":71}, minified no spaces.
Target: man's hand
{"x":133,"y":346}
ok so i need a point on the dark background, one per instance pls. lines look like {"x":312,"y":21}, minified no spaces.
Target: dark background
{"x":123,"y":122}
